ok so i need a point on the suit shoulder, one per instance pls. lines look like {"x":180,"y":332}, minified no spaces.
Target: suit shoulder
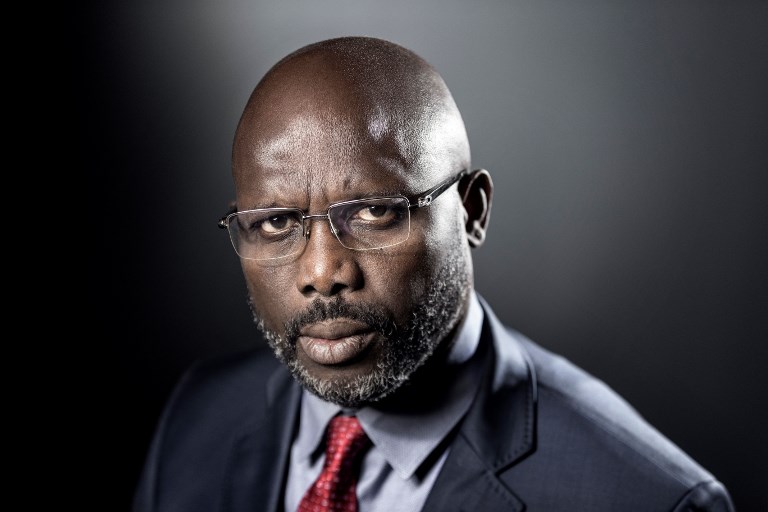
{"x":233,"y":385}
{"x":597,"y":436}
{"x":591,"y":405}
{"x":231,"y":371}
{"x":216,"y":402}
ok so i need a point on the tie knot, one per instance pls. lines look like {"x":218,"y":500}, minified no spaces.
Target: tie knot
{"x":345,"y":438}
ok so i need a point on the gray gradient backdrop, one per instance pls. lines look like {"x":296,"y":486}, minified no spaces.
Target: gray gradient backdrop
{"x":628,"y":145}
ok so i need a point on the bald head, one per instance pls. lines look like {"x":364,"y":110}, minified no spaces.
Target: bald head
{"x":350,"y":95}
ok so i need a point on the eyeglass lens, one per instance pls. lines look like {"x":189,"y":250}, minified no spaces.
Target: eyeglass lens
{"x":361,"y":225}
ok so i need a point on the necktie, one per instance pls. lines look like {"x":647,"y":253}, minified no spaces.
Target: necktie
{"x":334,"y":490}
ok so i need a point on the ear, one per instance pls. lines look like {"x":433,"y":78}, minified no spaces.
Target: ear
{"x":476,"y":191}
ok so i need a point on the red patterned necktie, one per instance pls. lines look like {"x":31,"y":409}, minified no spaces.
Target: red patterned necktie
{"x":334,"y":490}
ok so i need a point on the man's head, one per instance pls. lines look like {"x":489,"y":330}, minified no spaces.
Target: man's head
{"x":336,"y":121}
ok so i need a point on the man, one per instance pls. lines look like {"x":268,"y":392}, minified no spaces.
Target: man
{"x":356,"y":212}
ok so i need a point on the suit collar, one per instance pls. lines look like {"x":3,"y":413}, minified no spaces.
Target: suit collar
{"x":250,"y":479}
{"x":498,"y":432}
{"x":503,"y":435}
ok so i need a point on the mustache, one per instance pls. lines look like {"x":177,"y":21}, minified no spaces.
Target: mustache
{"x":320,"y":310}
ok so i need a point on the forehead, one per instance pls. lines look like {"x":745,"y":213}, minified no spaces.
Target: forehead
{"x":313,"y":158}
{"x":314,"y":142}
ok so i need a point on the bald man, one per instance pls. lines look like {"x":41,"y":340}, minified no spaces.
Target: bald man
{"x":394,"y":386}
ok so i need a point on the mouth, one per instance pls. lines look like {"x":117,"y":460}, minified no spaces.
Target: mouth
{"x":335,"y":342}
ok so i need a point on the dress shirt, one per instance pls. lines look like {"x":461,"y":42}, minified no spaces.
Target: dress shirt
{"x":398,"y":471}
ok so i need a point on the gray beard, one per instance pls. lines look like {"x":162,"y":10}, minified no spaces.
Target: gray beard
{"x":404,"y":348}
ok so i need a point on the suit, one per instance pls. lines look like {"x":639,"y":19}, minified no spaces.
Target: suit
{"x":541,"y":435}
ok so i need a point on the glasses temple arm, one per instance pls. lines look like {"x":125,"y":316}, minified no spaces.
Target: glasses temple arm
{"x":223,"y":223}
{"x":427,"y":198}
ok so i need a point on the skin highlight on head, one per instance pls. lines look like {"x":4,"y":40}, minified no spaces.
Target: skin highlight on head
{"x":336,"y":121}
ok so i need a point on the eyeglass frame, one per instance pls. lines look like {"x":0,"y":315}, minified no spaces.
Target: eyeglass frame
{"x":421,"y":201}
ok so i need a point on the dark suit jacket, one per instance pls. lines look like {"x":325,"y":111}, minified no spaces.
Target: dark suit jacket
{"x":542,"y":435}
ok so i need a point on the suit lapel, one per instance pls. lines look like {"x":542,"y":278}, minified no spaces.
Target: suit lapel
{"x":466,"y":484}
{"x":498,"y":431}
{"x":260,"y":454}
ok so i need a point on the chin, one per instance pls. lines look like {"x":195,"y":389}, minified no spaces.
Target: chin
{"x":353,"y":387}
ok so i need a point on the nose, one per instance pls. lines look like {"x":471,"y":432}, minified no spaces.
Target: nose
{"x":327,"y":268}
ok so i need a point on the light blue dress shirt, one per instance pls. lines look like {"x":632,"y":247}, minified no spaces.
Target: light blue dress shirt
{"x":399,"y":470}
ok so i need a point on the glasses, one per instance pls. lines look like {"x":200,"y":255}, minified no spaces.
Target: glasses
{"x":270,"y":234}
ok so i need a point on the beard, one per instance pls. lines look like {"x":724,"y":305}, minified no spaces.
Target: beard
{"x":403,"y":348}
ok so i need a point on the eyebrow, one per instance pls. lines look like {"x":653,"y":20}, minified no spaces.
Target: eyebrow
{"x":381,"y":193}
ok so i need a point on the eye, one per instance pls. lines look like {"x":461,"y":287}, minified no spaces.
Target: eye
{"x":375,"y":212}
{"x":366,"y":215}
{"x":276,"y":223}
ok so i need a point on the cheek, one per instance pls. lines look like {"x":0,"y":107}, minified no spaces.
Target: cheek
{"x":446,"y":223}
{"x":397,"y":278}
{"x":403,"y":276}
{"x":440,"y":234}
{"x":269,"y":289}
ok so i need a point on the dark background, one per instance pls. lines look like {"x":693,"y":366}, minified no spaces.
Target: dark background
{"x":628,"y":142}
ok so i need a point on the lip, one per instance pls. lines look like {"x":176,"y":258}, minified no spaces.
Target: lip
{"x":335,"y":342}
{"x":334,"y":329}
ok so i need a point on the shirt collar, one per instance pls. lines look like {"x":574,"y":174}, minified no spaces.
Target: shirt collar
{"x":406,"y":440}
